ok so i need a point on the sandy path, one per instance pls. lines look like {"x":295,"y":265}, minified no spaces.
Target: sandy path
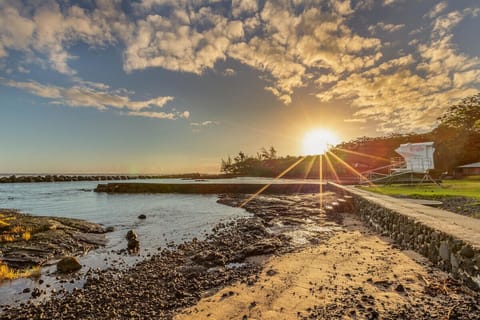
{"x":355,"y":274}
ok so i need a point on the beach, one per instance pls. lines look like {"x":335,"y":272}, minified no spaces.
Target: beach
{"x":289,"y":260}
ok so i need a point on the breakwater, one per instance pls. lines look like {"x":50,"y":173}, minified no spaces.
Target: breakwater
{"x":25,"y":178}
{"x":67,"y":178}
{"x":208,"y":188}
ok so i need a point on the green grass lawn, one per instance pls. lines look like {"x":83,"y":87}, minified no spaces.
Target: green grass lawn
{"x":468,"y":187}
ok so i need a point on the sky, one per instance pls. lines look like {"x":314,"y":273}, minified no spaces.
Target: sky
{"x":173,"y":86}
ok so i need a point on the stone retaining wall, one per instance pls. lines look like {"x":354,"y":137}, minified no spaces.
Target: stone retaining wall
{"x":452,"y":254}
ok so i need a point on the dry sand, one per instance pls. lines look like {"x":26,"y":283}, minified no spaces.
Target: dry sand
{"x":356,"y":274}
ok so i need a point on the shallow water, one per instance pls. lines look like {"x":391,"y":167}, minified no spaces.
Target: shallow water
{"x":170,"y":218}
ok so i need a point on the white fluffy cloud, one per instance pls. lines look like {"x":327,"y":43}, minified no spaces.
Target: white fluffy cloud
{"x":93,"y":97}
{"x":292,"y":44}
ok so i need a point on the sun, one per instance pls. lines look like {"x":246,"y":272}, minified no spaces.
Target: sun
{"x":318,"y":141}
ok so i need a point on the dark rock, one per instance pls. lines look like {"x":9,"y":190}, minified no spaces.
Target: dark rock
{"x":209,"y":258}
{"x":400,"y":288}
{"x":68,"y":264}
{"x":133,"y":245}
{"x":271,"y":272}
{"x":109,"y":229}
{"x":142,"y":216}
{"x":467,"y":252}
{"x":264,"y":246}
{"x":36,"y":293}
{"x":131,"y":234}
{"x":192,"y":271}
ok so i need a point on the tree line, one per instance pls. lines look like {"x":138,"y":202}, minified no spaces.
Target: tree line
{"x":456,"y":139}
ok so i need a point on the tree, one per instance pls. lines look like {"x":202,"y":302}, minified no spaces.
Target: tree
{"x":465,"y":115}
{"x":458,"y":135}
{"x":273,"y":153}
{"x":227,"y":165}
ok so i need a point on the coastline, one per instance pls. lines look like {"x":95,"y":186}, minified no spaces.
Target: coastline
{"x":238,"y":268}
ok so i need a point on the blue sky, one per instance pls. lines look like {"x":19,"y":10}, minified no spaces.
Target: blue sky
{"x":161,"y":86}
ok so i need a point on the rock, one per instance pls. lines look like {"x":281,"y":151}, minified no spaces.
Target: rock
{"x":68,"y":264}
{"x":36,"y":293}
{"x":271,"y":272}
{"x":142,"y":216}
{"x":131,"y":235}
{"x":443,"y":251}
{"x":467,"y":252}
{"x":192,"y":271}
{"x":264,"y":246}
{"x":209,"y":258}
{"x":26,"y":290}
{"x":133,"y":245}
{"x":454,"y":263}
{"x":400,"y":288}
{"x":109,"y":229}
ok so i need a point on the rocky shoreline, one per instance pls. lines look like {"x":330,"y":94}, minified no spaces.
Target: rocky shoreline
{"x":235,"y":254}
{"x":175,"y":279}
{"x":49,"y":238}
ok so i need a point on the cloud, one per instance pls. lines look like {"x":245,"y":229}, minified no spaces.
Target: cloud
{"x":46,"y":28}
{"x":229,"y":72}
{"x":154,"y":115}
{"x":435,"y":11}
{"x":189,"y":44}
{"x":355,"y":120}
{"x":316,"y":45}
{"x":82,"y":96}
{"x":385,"y":27}
{"x":241,"y":7}
{"x":204,"y":123}
{"x":391,"y":2}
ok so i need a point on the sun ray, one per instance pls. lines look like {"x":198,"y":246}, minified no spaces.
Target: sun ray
{"x":320,"y":174}
{"x":307,"y":171}
{"x":332,"y":168}
{"x":268,"y":185}
{"x":309,"y":167}
{"x":349,"y":167}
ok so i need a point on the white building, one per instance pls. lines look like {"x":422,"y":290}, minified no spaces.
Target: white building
{"x":418,"y":156}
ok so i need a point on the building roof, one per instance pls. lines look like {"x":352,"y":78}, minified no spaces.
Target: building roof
{"x":471,"y":165}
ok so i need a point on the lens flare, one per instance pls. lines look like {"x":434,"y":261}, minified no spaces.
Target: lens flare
{"x":318,"y":141}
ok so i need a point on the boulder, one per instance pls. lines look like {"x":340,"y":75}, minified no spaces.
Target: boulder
{"x":68,"y":264}
{"x":131,"y":234}
{"x":209,"y":258}
{"x":133,"y":245}
{"x":265,"y":246}
{"x":142,"y":216}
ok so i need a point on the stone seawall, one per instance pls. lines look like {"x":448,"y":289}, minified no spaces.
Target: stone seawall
{"x":449,"y":240}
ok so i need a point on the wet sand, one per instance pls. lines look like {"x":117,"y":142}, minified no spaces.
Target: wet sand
{"x":355,"y":274}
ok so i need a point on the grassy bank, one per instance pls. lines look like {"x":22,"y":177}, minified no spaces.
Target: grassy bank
{"x":469,"y":188}
{"x":459,"y":196}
